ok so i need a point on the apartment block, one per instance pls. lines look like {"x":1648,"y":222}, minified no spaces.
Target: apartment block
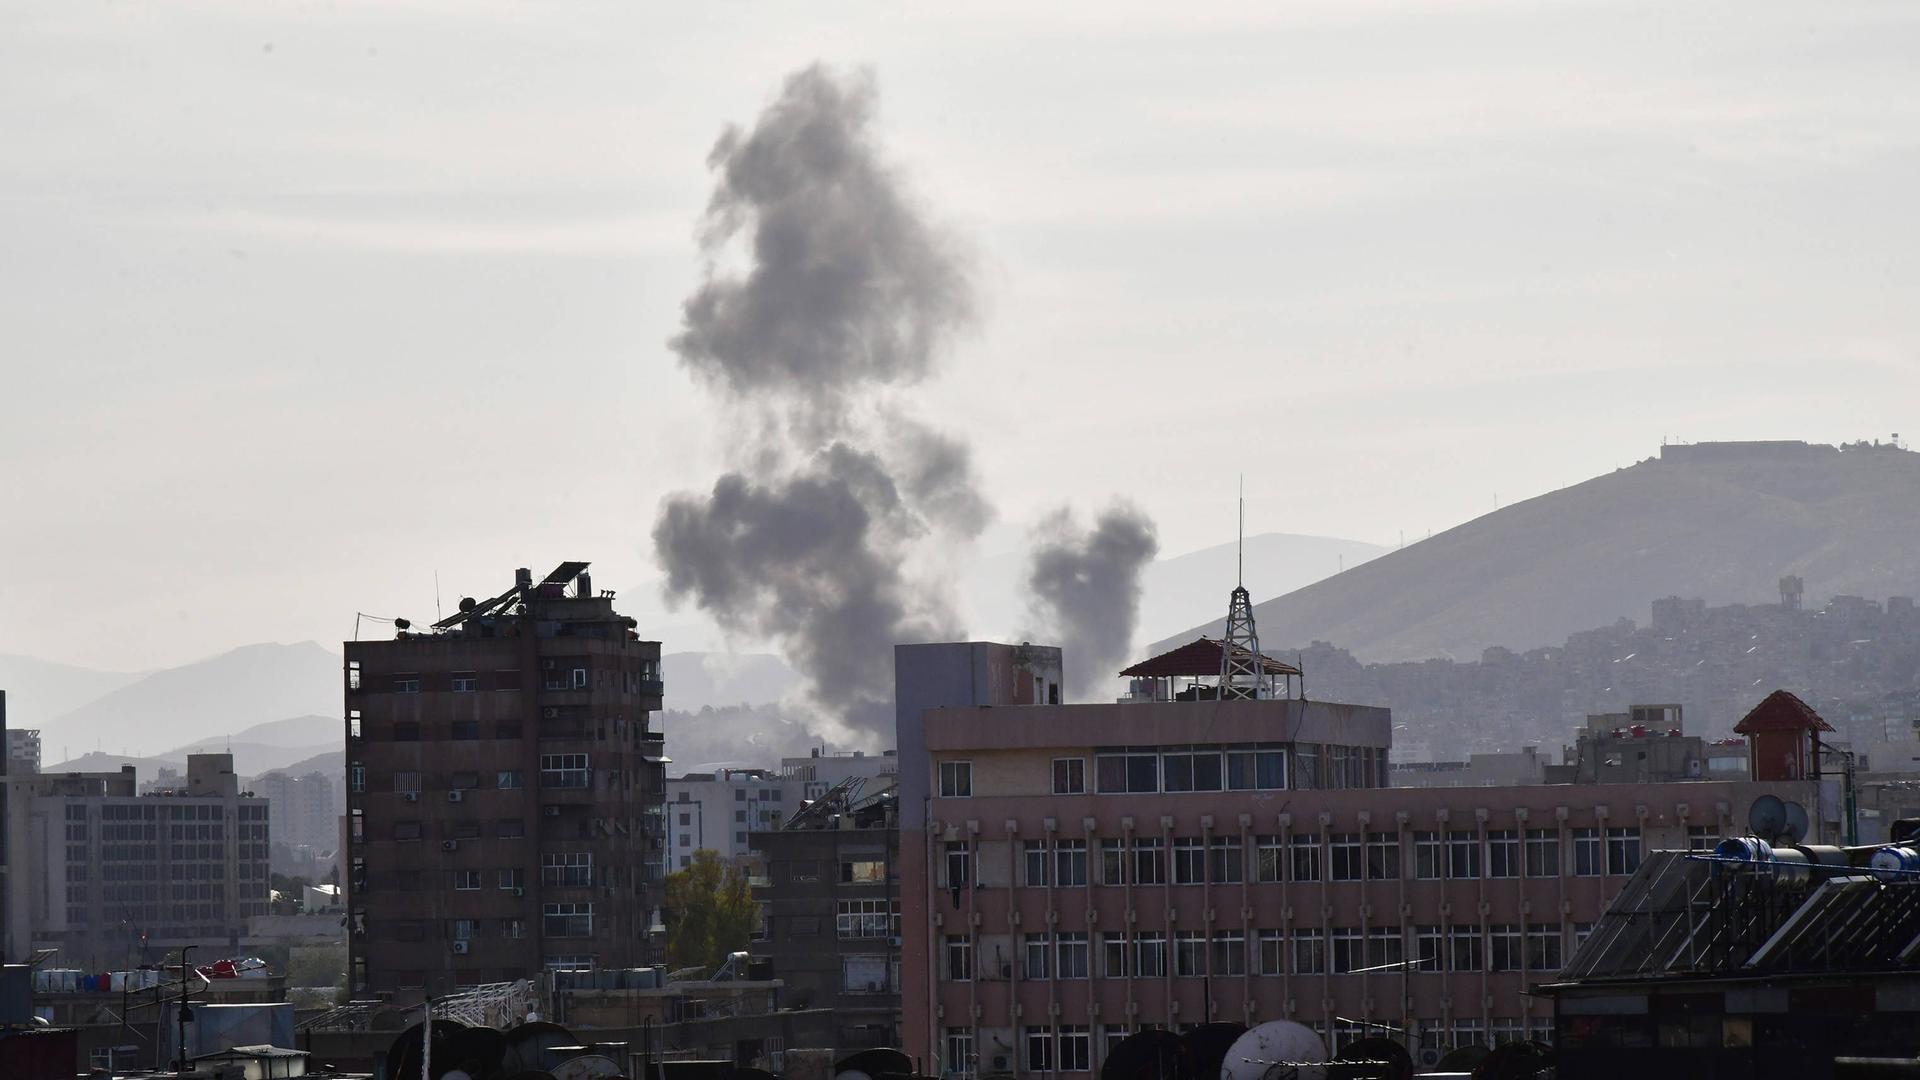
{"x":112,"y":878}
{"x":505,"y":789}
{"x":306,"y":809}
{"x":718,"y":811}
{"x":1073,"y":873}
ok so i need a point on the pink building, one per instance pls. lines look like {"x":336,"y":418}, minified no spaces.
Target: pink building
{"x":1072,"y":873}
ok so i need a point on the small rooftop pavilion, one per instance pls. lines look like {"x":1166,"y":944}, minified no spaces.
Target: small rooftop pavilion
{"x":1192,"y":672}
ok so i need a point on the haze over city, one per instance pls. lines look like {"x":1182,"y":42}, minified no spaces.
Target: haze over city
{"x":308,"y":304}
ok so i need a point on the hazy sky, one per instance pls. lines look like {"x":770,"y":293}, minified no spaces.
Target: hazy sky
{"x":306,"y":301}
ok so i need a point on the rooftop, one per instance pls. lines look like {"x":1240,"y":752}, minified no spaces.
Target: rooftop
{"x":1197,"y":659}
{"x":1781,"y":711}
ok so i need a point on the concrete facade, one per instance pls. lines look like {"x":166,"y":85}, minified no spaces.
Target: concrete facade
{"x":504,"y":793}
{"x":718,"y":811}
{"x":1051,"y":908}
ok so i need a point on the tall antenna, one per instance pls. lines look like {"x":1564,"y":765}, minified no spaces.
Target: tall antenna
{"x":1242,"y":668}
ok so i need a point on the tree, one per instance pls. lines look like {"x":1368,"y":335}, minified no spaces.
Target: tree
{"x":710,"y":912}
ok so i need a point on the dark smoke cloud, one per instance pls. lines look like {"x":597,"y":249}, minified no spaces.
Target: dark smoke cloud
{"x":820,"y":536}
{"x":1086,"y":589}
{"x":849,"y":287}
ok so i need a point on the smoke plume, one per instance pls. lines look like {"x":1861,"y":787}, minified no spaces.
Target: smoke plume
{"x":822,"y":535}
{"x":1086,"y":589}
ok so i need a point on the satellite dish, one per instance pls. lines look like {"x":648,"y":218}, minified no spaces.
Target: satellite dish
{"x":1380,"y":1048}
{"x":1152,"y":1054}
{"x":844,"y":1074}
{"x":1512,"y":1061}
{"x":1463,"y":1059}
{"x":880,"y":1061}
{"x":1766,"y":817}
{"x":1257,"y":1054}
{"x":587,"y":1067}
{"x":1795,"y":829}
{"x":1207,"y":1046}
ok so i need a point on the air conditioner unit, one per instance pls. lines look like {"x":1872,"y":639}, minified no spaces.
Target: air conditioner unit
{"x":456,"y":795}
{"x":894,"y":941}
{"x":551,"y":811}
{"x":518,"y":891}
{"x":550,"y":712}
{"x":549,"y":665}
{"x":460,"y":947}
{"x":411,"y":796}
{"x":449,"y":845}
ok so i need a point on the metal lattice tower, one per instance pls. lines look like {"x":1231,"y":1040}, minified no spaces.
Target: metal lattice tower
{"x":1242,"y":670}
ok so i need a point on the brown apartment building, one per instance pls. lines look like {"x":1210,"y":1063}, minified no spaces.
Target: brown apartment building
{"x":1073,"y":873}
{"x":504,"y":792}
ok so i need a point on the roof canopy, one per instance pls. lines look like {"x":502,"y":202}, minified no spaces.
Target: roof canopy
{"x":1781,"y":711}
{"x":1196,"y":659}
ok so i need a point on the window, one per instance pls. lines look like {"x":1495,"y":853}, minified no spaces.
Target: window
{"x":1150,"y":954}
{"x":1191,"y":770}
{"x":960,"y":1060}
{"x":1463,"y":854}
{"x":507,"y":779}
{"x":464,"y":781}
{"x":357,"y":778}
{"x":1039,"y":1049}
{"x":1305,"y":853}
{"x":507,"y":729}
{"x":1702,"y":837}
{"x":1504,"y":949}
{"x":1070,"y":954}
{"x":1149,"y":861}
{"x":1543,"y":947}
{"x":1504,"y":1030}
{"x":1383,"y":856}
{"x":566,"y":869}
{"x":1581,"y":931}
{"x":1272,"y":953}
{"x":1069,"y":776}
{"x":1075,"y":1048}
{"x":510,"y":828}
{"x":1189,"y":861}
{"x":1224,"y":861}
{"x":466,"y":880}
{"x":406,"y":783}
{"x":1543,"y":852}
{"x":566,"y":920}
{"x":406,"y":830}
{"x":1429,"y":862}
{"x":1623,"y":850}
{"x":1189,"y":953}
{"x":1135,"y":771}
{"x":959,"y":958}
{"x":1111,"y":1035}
{"x":508,"y":679}
{"x":464,"y":829}
{"x":406,"y":684}
{"x":1386,"y":949}
{"x":1033,"y":958}
{"x":1070,"y":863}
{"x":465,"y":682}
{"x":1035,"y":863}
{"x":406,"y":732}
{"x":1114,"y":956}
{"x":1349,"y":950}
{"x":514,"y":878}
{"x":1269,"y":859}
{"x":1263,"y":770}
{"x":1468,"y":951}
{"x":863,"y":871}
{"x":957,"y":859}
{"x":464,"y":729}
{"x":1343,"y":851}
{"x":1309,"y":952}
{"x":1587,"y":858}
{"x":1429,"y":949}
{"x":1503,"y":853}
{"x":864,"y":974}
{"x":1308,"y":776}
{"x":1113,"y":862}
{"x":956,"y":779}
{"x":463,"y":929}
{"x":876,"y":918}
{"x":564,"y":771}
{"x":1230,"y":953}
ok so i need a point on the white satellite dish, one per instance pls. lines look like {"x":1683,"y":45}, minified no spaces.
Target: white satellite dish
{"x":1257,"y":1054}
{"x":851,"y":1074}
{"x":1795,"y":830}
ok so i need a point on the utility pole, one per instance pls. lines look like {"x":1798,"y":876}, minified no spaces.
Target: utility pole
{"x":186,"y":1014}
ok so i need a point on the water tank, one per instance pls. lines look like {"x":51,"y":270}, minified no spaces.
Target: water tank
{"x":1894,"y":863}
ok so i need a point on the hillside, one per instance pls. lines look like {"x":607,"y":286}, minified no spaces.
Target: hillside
{"x":229,"y":692}
{"x":39,"y":690}
{"x":1719,"y":521}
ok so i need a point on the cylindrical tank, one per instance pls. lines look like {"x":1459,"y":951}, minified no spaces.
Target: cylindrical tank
{"x":1894,"y":863}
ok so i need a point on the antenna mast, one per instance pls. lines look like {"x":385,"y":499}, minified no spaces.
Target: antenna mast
{"x":1242,"y":668}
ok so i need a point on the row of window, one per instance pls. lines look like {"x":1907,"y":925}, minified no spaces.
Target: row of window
{"x":1068,"y":1047}
{"x":1533,"y":947}
{"x":555,"y":674}
{"x":1304,"y":857}
{"x":1148,"y":770}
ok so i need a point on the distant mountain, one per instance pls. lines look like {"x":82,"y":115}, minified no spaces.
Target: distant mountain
{"x":1720,"y":521}
{"x":39,"y":690}
{"x":146,"y":768}
{"x":696,"y":680}
{"x":229,"y":692}
{"x":1176,"y":591}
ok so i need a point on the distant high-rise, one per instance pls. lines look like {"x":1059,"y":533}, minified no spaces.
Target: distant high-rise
{"x":504,"y":792}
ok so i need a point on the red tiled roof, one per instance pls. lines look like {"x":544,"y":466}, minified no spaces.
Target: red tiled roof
{"x":1197,"y":659}
{"x":1781,"y":711}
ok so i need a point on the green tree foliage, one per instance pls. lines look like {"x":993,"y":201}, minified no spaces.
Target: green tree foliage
{"x":709,"y":912}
